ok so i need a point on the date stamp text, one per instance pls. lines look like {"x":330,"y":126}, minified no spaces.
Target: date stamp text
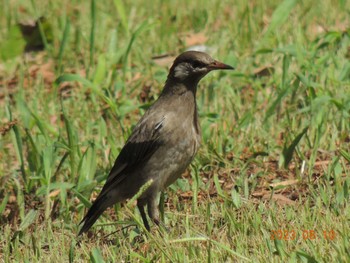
{"x":305,"y":234}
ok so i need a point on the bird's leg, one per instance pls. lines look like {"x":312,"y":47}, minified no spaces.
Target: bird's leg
{"x":152,"y":207}
{"x":153,"y":212}
{"x":141,"y":207}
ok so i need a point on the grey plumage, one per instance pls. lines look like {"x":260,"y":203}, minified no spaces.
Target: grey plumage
{"x":162,"y":144}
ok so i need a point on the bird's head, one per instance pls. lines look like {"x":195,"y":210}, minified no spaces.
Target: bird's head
{"x":191,"y":66}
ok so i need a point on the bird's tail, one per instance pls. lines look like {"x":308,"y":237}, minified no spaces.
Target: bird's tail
{"x":97,"y":208}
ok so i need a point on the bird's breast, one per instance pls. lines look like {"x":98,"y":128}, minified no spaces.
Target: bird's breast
{"x":182,"y":143}
{"x":179,"y":137}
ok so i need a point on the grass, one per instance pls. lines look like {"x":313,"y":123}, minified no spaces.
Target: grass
{"x":272,"y":179}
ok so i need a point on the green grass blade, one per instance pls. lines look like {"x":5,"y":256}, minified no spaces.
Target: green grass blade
{"x":345,"y":154}
{"x":280,"y":15}
{"x":63,"y":44}
{"x":92,"y":36}
{"x":119,"y":5}
{"x":288,"y":151}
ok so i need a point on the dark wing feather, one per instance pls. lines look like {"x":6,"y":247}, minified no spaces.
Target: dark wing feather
{"x":142,"y":143}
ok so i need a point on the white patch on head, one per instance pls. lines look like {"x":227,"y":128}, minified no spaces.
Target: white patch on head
{"x":181,"y":71}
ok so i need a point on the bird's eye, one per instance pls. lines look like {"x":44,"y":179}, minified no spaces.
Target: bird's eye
{"x":197,"y":64}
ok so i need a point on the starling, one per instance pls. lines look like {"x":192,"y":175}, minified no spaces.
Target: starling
{"x":162,"y":144}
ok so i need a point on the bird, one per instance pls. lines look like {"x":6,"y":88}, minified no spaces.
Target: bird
{"x":162,"y":144}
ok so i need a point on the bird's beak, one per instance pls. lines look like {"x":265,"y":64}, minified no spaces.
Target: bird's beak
{"x":219,"y":65}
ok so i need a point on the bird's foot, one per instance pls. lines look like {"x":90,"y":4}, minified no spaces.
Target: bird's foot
{"x":161,"y":225}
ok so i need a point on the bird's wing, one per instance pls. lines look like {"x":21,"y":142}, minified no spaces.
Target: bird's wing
{"x":142,"y":143}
